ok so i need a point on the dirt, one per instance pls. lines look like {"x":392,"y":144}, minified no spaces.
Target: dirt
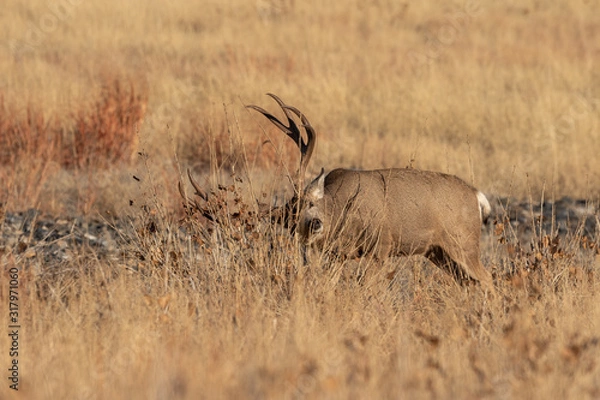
{"x":50,"y":239}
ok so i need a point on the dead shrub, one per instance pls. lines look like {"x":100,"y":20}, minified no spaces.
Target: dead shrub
{"x":93,"y":136}
{"x":32,"y":144}
{"x":107,"y":132}
{"x":32,"y":137}
{"x":28,"y":146}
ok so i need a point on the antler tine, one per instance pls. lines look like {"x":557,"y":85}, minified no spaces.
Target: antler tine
{"x":181,"y":192}
{"x":192,"y":203}
{"x":199,"y":192}
{"x":271,"y":118}
{"x":292,"y":130}
{"x":308,"y":146}
{"x":284,"y":109}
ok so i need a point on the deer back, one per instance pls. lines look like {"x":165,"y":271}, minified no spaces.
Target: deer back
{"x":390,"y":211}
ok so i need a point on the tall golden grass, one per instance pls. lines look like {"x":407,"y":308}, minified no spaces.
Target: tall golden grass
{"x":503,"y":94}
{"x":231,"y":312}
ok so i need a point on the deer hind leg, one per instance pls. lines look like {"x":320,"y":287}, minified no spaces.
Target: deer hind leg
{"x":476,"y":270}
{"x":469,"y":264}
{"x":461,"y":265}
{"x":445,"y":262}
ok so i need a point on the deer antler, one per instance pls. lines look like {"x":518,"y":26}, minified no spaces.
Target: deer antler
{"x":292,"y":131}
{"x":193,"y":204}
{"x":211,"y":207}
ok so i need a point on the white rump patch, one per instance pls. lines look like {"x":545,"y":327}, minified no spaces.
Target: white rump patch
{"x":484,"y":206}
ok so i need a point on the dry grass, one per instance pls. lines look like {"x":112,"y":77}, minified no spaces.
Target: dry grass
{"x":503,"y":94}
{"x":231,"y":312}
{"x":455,"y":88}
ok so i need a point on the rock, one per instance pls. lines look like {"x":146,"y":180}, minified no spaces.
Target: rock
{"x":53,"y":240}
{"x":564,"y":217}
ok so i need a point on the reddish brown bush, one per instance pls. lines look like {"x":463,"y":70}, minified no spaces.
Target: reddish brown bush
{"x":107,"y":133}
{"x":32,"y":136}
{"x":94,"y":136}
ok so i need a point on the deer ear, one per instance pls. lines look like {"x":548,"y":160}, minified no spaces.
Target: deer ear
{"x":315,"y":190}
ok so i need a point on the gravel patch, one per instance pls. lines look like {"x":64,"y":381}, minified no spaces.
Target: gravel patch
{"x":50,"y":239}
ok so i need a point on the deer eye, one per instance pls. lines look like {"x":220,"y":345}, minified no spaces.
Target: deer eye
{"x":315,"y":225}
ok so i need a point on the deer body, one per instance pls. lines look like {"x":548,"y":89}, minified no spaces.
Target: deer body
{"x":380,"y":213}
{"x":394,"y":212}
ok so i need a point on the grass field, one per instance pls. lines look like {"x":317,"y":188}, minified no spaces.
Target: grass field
{"x":104,"y":105}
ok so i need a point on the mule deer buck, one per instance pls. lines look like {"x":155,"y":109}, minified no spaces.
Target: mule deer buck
{"x":385,"y":212}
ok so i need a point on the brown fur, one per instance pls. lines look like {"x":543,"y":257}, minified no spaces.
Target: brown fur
{"x":387,"y":212}
{"x":394,"y":212}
